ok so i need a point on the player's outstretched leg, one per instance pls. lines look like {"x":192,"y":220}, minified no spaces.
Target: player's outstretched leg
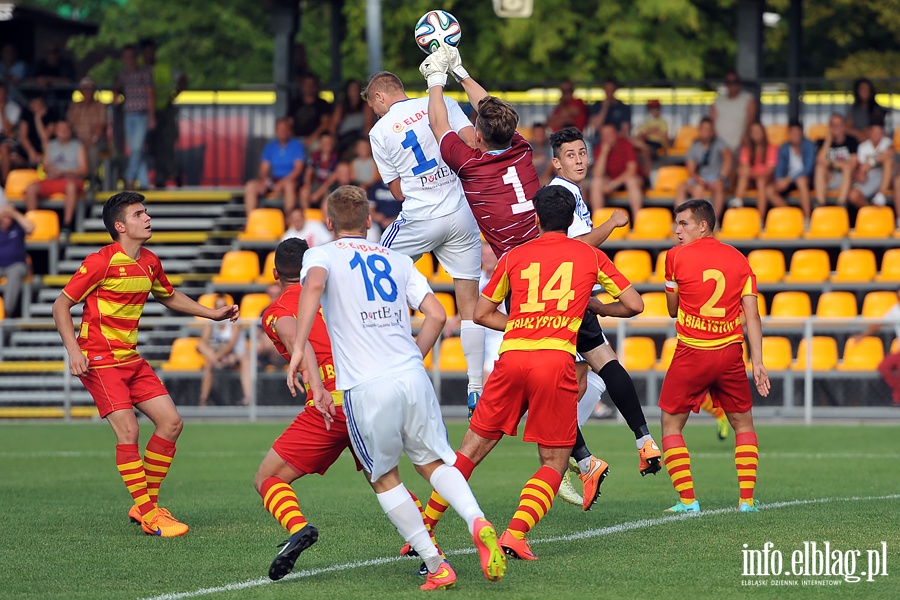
{"x":471,"y":337}
{"x":719,"y":414}
{"x":408,"y":550}
{"x":282,"y":503}
{"x":592,"y":471}
{"x":678,"y":464}
{"x":534,"y":502}
{"x":746,"y":459}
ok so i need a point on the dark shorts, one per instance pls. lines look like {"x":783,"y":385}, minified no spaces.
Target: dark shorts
{"x":590,"y":335}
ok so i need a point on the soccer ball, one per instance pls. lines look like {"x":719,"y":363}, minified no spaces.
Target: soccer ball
{"x":437,"y":28}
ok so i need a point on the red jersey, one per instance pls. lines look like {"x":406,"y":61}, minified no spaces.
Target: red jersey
{"x":619,"y":156}
{"x":499,"y":186}
{"x":710,"y":278}
{"x":114,"y":288}
{"x":286,"y":306}
{"x":550,"y":279}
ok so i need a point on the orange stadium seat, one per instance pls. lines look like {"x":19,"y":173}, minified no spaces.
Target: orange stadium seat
{"x":828,"y":222}
{"x":659,"y":273}
{"x":46,"y":225}
{"x":783,"y":223}
{"x":425,"y":265}
{"x":777,"y":134}
{"x":818,"y":131}
{"x":639,"y":353}
{"x":267,"y":275}
{"x":18,"y":180}
{"x":836,"y":305}
{"x":209,"y":300}
{"x":441,"y":276}
{"x":876,"y":304}
{"x":446,"y":301}
{"x":451,"y":355}
{"x":2,"y":309}
{"x":238,"y":266}
{"x":264,"y":224}
{"x":601,"y":216}
{"x":873,"y":222}
{"x":253,"y":305}
{"x":890,"y":266}
{"x":683,"y":140}
{"x":761,"y":304}
{"x":809,"y":265}
{"x":314,"y":214}
{"x":855,"y":265}
{"x":635,"y":265}
{"x":824,"y":354}
{"x":654,"y":305}
{"x":864,"y":355}
{"x":777,"y":353}
{"x":665,"y":357}
{"x":786,"y":305}
{"x":184,"y":356}
{"x":740,"y":223}
{"x":652,"y":223}
{"x":767,"y":265}
{"x":668,"y":178}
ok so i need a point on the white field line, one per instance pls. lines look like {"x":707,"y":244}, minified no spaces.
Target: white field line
{"x":581,"y":535}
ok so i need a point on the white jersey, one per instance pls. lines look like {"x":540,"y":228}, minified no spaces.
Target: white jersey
{"x":582,"y":222}
{"x":368,"y":294}
{"x":404,"y":147}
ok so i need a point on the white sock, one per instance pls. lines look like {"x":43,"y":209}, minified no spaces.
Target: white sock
{"x":453,"y":487}
{"x":586,"y":405}
{"x":584,"y":465}
{"x":472,"y":338}
{"x":643,"y":440}
{"x":403,"y":513}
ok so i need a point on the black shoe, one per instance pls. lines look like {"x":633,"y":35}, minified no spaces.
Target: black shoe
{"x":287,"y":556}
{"x":423,"y":570}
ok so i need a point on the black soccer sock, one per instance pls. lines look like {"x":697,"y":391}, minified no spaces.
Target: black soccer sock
{"x":580,"y":450}
{"x":624,"y":396}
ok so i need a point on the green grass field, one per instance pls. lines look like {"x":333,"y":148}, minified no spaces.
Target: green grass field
{"x":64,"y":531}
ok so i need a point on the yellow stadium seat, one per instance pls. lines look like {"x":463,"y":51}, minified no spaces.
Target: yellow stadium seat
{"x":864,"y":355}
{"x":787,"y":305}
{"x":836,"y":305}
{"x":683,"y":140}
{"x":446,"y":301}
{"x":818,"y":131}
{"x":267,"y":275}
{"x":890,"y":266}
{"x":428,"y":361}
{"x":209,"y":300}
{"x":425,"y":265}
{"x":652,"y":223}
{"x":451,"y":355}
{"x":873,"y":222}
{"x":441,"y":276}
{"x":264,"y":224}
{"x":184,"y":356}
{"x":238,"y":266}
{"x":665,"y":357}
{"x":654,"y":305}
{"x":876,"y":304}
{"x":46,"y":225}
{"x":253,"y":305}
{"x":740,"y":223}
{"x":783,"y":223}
{"x":2,"y":309}
{"x":761,"y":304}
{"x":828,"y":222}
{"x":824,"y":354}
{"x":314,"y":214}
{"x":639,"y":353}
{"x":668,"y":178}
{"x":18,"y":180}
{"x":601,"y":216}
{"x":777,"y":134}
{"x":777,"y":353}
{"x":659,"y":274}
{"x":767,"y":265}
{"x":855,"y":265}
{"x":809,"y":265}
{"x":635,"y":265}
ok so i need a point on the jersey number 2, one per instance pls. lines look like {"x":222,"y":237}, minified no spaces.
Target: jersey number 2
{"x":558,"y":287}
{"x":379,"y":278}
{"x":411,"y":142}
{"x":709,"y":309}
{"x":522,"y":204}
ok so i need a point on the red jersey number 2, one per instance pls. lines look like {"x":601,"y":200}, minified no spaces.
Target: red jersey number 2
{"x":522,"y":204}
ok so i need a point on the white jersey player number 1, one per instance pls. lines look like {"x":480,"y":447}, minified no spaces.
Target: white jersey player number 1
{"x":523,"y":204}
{"x":411,"y":142}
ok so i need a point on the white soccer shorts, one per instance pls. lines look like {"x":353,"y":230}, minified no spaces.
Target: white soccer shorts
{"x":453,"y":238}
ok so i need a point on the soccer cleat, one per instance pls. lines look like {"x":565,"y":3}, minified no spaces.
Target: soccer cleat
{"x":472,"y":401}
{"x":287,"y":556}
{"x":597,"y":472}
{"x":408,"y":550}
{"x":134,"y":514}
{"x":163,"y":525}
{"x":722,"y":429}
{"x":746,"y":506}
{"x":681,"y":507}
{"x":516,"y":548}
{"x":493,"y":560}
{"x":567,"y":492}
{"x":651,"y":458}
{"x":444,"y":578}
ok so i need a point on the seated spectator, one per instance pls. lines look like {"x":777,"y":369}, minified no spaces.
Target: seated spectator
{"x":36,"y":127}
{"x":298,"y":226}
{"x":66,"y":166}
{"x":282,"y":163}
{"x":363,"y":171}
{"x":756,"y":166}
{"x":54,"y":69}
{"x":570,"y":111}
{"x":795,"y":169}
{"x":835,"y":161}
{"x":352,"y":118}
{"x":88,"y":121}
{"x":12,"y":70}
{"x":615,"y":168}
{"x":611,"y":111}
{"x":542,"y":153}
{"x":10,"y":113}
{"x":224,"y":346}
{"x":864,"y":111}
{"x":651,"y":139}
{"x":320,"y":173}
{"x":383,"y":207}
{"x":708,"y":164}
{"x":311,"y":114}
{"x":13,"y":229}
{"x":875,"y":157}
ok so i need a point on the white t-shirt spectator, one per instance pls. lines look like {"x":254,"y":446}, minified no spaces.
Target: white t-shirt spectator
{"x":314,"y":232}
{"x":868,"y":152}
{"x":13,"y":112}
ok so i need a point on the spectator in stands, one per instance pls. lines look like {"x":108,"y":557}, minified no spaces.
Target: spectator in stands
{"x":651,"y":139}
{"x":708,"y":163}
{"x":756,"y":166}
{"x":795,"y":170}
{"x":54,"y":69}
{"x":36,"y":127}
{"x":889,"y":368}
{"x":733,"y":111}
{"x":282,"y":163}
{"x":66,"y":166}
{"x":383,"y":207}
{"x":167,"y":84}
{"x":542,"y":153}
{"x":570,"y":111}
{"x":363,"y":170}
{"x":10,"y":113}
{"x":224,"y":346}
{"x":88,"y":121}
{"x":13,"y":229}
{"x":352,"y":118}
{"x":876,"y":158}
{"x":321,"y":172}
{"x":312,"y":230}
{"x":12,"y":70}
{"x":312,"y":114}
{"x":612,"y":111}
{"x":136,"y":83}
{"x":864,"y":111}
{"x":615,"y":168}
{"x":835,"y":161}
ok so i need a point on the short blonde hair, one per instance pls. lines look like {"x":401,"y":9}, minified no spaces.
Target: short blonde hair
{"x":383,"y":81}
{"x":348,"y":207}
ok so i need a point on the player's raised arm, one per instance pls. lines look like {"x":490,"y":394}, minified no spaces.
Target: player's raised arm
{"x":434,"y":70}
{"x":181,"y":303}
{"x":599,"y":234}
{"x":310,"y":297}
{"x":750,"y":306}
{"x":473,"y":89}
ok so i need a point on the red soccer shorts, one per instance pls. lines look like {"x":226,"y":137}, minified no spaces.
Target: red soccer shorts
{"x":308,"y":447}
{"x":541,"y":382}
{"x":47,"y":187}
{"x":694,"y":372}
{"x":122,"y":386}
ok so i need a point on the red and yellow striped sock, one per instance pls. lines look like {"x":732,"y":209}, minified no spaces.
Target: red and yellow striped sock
{"x":424,"y":520}
{"x":281,"y":502}
{"x":712,"y":409}
{"x":131,"y":469}
{"x":157,"y":460}
{"x":436,"y":506}
{"x":746,"y":459}
{"x":534,"y":501}
{"x":678,"y":464}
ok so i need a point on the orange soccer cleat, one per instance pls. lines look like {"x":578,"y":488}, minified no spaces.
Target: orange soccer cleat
{"x":597,"y":472}
{"x":493,"y":561}
{"x":651,"y":458}
{"x":164,"y":525}
{"x":442,"y":579}
{"x":516,"y":548}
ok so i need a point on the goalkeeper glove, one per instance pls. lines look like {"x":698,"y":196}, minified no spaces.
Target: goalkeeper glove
{"x":434,"y":68}
{"x":455,"y":64}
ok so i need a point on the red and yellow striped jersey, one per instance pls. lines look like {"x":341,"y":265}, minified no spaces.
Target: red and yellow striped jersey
{"x":550,"y":280}
{"x":114,"y":288}
{"x":710,"y":279}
